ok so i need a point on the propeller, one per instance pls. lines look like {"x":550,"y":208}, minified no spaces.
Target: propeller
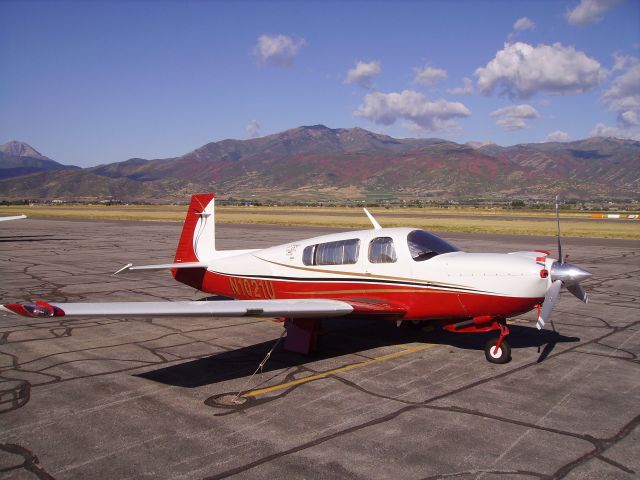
{"x":565,"y":274}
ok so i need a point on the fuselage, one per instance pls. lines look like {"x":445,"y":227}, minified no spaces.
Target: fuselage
{"x":419,"y":273}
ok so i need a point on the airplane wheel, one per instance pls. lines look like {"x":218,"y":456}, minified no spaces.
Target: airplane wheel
{"x":503,"y":355}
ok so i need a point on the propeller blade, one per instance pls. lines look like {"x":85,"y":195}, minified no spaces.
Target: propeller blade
{"x":550,"y":300}
{"x":560,"y":258}
{"x":579,"y":292}
{"x":562,"y":273}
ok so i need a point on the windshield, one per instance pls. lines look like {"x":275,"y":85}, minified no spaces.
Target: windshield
{"x":424,"y":245}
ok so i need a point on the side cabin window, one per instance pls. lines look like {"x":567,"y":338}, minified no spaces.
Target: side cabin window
{"x":424,"y":245}
{"x":308,"y":255}
{"x":381,"y":250}
{"x":342,"y":252}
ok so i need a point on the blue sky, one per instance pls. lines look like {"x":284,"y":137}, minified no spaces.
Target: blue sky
{"x":97,"y":82}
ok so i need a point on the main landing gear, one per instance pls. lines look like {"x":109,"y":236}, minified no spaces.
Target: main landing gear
{"x":497,"y":349}
{"x":302,"y":335}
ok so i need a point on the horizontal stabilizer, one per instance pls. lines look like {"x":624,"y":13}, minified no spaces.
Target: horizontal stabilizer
{"x":129,"y":267}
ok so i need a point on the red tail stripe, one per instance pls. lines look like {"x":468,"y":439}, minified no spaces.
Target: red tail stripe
{"x":184,"y":252}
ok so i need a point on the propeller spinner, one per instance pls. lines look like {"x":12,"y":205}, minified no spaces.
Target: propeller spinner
{"x":562,"y":274}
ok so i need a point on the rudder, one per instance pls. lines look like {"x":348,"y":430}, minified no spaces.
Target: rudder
{"x":197,"y":240}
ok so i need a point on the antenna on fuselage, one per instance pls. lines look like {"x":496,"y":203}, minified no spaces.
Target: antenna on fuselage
{"x":376,"y":225}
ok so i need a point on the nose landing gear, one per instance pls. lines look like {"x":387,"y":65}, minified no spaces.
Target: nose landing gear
{"x":497,"y":349}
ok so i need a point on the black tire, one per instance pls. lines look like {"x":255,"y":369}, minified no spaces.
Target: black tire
{"x":502,"y":356}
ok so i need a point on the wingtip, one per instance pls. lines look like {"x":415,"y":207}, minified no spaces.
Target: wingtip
{"x":37,"y":309}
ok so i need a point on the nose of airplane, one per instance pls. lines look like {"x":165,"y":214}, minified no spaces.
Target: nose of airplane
{"x":568,"y":273}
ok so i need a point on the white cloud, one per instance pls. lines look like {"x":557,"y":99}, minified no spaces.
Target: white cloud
{"x":429,"y":75}
{"x":479,"y":144}
{"x":521,"y":25}
{"x":421,"y":113}
{"x":277,"y":50}
{"x":620,"y":61}
{"x":253,"y":129}
{"x":466,"y":89}
{"x":602,"y":130}
{"x":558,"y":136}
{"x":630,"y":118}
{"x":514,"y":117}
{"x":624,"y":93}
{"x":363,"y":74}
{"x":521,"y":70}
{"x":590,"y":11}
{"x":524,"y":23}
{"x":623,"y":97}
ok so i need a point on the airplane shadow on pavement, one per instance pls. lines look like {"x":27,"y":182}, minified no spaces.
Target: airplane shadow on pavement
{"x":340,"y":338}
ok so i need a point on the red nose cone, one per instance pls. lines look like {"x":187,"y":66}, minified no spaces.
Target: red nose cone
{"x":544,"y":273}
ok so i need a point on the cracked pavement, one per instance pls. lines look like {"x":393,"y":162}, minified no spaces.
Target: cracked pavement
{"x":113,"y":398}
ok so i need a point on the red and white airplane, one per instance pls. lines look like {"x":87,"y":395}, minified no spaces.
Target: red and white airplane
{"x":400,"y":274}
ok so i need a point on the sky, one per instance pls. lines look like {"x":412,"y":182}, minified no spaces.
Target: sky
{"x":93,"y":82}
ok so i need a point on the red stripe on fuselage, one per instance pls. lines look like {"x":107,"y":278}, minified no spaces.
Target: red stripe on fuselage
{"x":418,"y":302}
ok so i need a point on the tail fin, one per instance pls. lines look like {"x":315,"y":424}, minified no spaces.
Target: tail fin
{"x":198,"y":239}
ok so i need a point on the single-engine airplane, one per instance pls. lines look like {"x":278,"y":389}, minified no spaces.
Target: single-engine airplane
{"x":15,"y":217}
{"x":400,"y":274}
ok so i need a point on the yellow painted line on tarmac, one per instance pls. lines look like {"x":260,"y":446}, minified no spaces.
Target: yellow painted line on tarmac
{"x":406,"y":351}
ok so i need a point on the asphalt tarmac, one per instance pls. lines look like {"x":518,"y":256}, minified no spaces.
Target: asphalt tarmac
{"x":114,"y":398}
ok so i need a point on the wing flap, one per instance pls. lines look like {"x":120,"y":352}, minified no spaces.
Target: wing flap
{"x":374,"y":307}
{"x":222,"y":308}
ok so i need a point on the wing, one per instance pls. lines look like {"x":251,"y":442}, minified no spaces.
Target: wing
{"x":17,"y":217}
{"x":214,"y":308}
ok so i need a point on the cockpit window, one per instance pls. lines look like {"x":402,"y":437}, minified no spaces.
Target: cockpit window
{"x":424,"y":245}
{"x":342,"y":252}
{"x":381,"y":250}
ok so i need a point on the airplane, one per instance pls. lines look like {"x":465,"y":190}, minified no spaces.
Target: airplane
{"x":399,"y":274}
{"x":16,"y":217}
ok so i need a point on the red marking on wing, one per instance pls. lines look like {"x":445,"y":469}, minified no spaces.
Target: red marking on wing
{"x":38,"y":309}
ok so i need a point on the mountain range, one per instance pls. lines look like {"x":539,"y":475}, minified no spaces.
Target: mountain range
{"x":318,"y":163}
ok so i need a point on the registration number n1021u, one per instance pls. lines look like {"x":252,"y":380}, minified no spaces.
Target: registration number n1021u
{"x":251,"y":287}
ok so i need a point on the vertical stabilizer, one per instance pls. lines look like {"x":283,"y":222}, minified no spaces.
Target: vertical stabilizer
{"x":198,"y":239}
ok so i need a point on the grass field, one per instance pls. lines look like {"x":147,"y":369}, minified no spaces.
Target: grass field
{"x":444,"y":220}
